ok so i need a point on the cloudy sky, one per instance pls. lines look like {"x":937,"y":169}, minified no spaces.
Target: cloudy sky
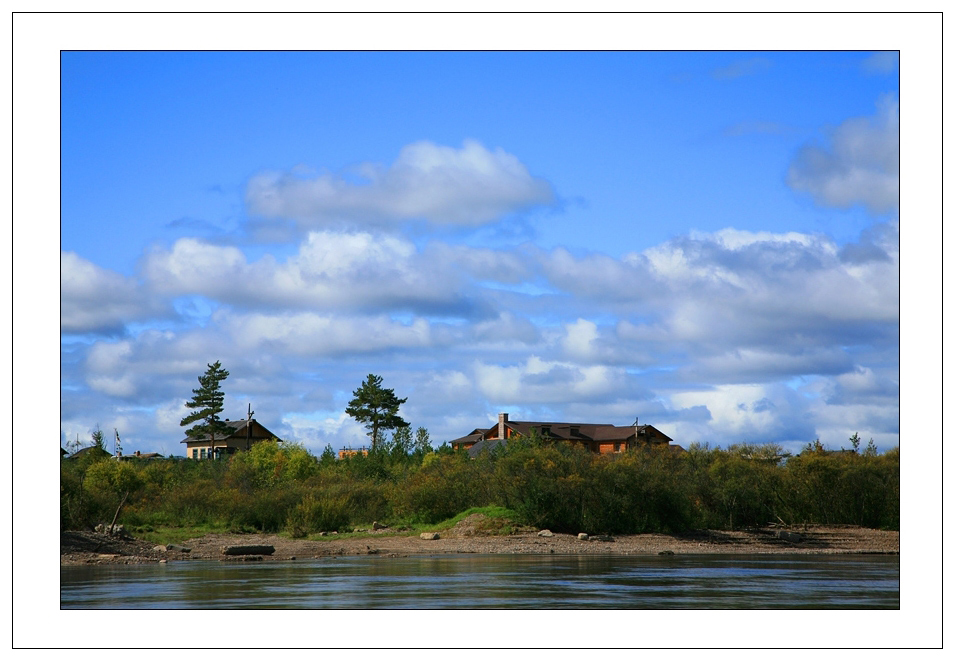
{"x":708,"y":241}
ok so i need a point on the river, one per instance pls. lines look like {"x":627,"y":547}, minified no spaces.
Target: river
{"x":495,"y":582}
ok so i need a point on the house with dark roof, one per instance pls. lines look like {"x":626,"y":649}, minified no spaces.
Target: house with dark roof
{"x":140,"y":455}
{"x":598,"y":438}
{"x":89,"y":451}
{"x":245,"y":434}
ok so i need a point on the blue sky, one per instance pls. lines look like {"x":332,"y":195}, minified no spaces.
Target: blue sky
{"x":706,"y":240}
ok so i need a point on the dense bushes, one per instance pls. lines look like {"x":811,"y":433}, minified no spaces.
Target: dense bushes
{"x":282,"y":487}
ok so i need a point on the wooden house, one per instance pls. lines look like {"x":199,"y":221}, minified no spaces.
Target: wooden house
{"x":245,"y":434}
{"x":598,"y":438}
{"x":346,"y":453}
{"x":91,"y":450}
{"x":140,"y":455}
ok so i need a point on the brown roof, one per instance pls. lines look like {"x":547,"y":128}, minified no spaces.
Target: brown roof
{"x":91,"y":449}
{"x":473,"y":437}
{"x":570,"y":431}
{"x":239,"y":430}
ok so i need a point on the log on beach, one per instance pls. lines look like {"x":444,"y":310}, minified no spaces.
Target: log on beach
{"x":248,"y":550}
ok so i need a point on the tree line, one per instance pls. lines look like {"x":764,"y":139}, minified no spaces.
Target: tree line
{"x":282,"y":487}
{"x":276,"y":487}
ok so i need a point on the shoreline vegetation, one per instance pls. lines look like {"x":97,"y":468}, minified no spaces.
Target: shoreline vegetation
{"x":747,"y":498}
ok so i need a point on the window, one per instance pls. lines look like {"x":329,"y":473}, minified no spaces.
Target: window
{"x":195,"y":453}
{"x":202,"y":453}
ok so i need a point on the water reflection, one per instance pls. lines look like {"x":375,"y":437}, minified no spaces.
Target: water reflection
{"x":495,"y":581}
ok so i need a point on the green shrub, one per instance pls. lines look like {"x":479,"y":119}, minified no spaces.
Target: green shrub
{"x":267,"y":510}
{"x":317,"y":513}
{"x":76,"y":510}
{"x":444,"y":485}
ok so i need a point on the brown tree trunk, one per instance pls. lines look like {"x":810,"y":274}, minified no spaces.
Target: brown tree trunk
{"x":116,"y":516}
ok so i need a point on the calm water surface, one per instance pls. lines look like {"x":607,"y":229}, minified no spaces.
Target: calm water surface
{"x":494,"y":581}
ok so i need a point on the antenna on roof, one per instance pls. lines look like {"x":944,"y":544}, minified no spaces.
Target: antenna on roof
{"x":636,"y":420}
{"x":248,"y":429}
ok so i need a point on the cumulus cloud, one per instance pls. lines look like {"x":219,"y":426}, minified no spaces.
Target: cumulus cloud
{"x":315,"y":431}
{"x":506,"y":330}
{"x":310,"y":334}
{"x":859,"y":165}
{"x":468,"y":187}
{"x":96,"y":300}
{"x":741,"y":309}
{"x":752,"y":413}
{"x":536,"y":380}
{"x":754,"y":287}
{"x":774,"y":282}
{"x":331,"y":270}
{"x":599,"y":277}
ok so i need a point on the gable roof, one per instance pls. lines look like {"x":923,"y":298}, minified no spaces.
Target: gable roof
{"x":473,"y":437}
{"x":581,"y":431}
{"x":91,"y":449}
{"x":239,"y":430}
{"x":486,"y":439}
{"x":485,"y":444}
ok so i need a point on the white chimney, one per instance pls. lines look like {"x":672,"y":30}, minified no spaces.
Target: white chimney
{"x":501,"y":419}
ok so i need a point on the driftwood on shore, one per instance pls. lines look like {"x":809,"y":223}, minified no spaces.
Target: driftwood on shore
{"x":248,"y":550}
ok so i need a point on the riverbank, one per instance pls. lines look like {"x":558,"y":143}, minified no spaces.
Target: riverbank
{"x":94,"y":548}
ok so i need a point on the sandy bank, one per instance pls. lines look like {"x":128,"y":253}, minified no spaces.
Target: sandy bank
{"x":91,"y":548}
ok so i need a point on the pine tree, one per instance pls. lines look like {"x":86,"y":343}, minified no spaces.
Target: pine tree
{"x":208,"y":400}
{"x":376,"y":408}
{"x":98,"y":440}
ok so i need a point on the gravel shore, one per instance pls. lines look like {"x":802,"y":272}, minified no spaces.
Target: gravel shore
{"x":94,"y":548}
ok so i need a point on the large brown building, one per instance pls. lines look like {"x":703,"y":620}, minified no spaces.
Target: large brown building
{"x":245,"y":433}
{"x":598,"y":438}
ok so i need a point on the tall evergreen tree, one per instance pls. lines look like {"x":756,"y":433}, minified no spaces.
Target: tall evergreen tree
{"x":376,"y":408}
{"x":207,"y":401}
{"x":98,"y":439}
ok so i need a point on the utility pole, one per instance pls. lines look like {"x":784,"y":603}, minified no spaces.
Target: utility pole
{"x":248,"y":429}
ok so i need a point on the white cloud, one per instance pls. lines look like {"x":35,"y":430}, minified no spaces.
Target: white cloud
{"x":469,"y":186}
{"x":310,"y":334}
{"x":743,"y":365}
{"x":748,"y":289}
{"x":96,"y":300}
{"x":579,"y":339}
{"x":507,"y":330}
{"x":746,"y":413}
{"x":540,"y":381}
{"x":318,"y":429}
{"x":599,"y":277}
{"x":331,"y":270}
{"x":859,"y":166}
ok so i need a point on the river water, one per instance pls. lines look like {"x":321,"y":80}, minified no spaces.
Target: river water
{"x":495,"y":581}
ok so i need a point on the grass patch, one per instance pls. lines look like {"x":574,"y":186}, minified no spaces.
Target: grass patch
{"x":175,"y":534}
{"x":500,"y":520}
